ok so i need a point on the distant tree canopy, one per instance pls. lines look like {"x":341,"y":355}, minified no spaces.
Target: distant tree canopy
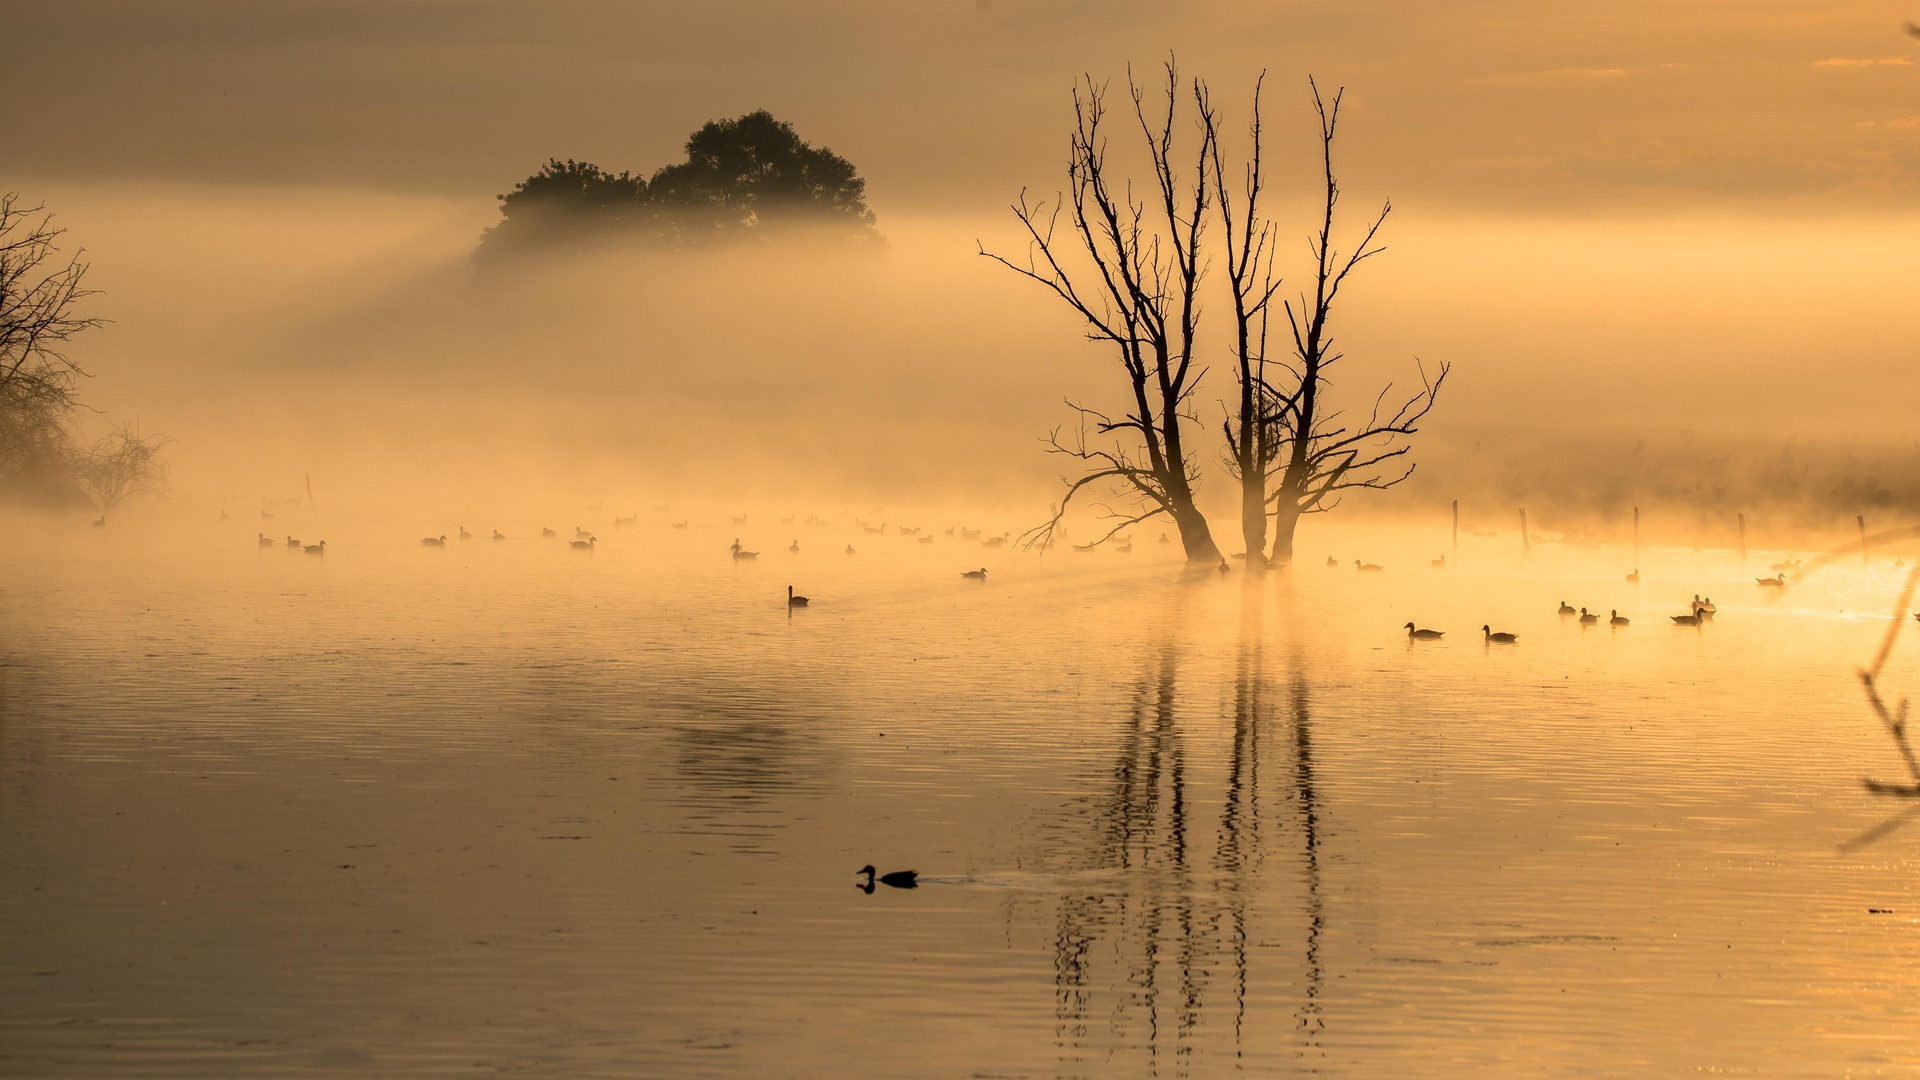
{"x":745,"y":177}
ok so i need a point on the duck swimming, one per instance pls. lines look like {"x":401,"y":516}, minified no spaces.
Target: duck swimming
{"x":1588,"y":620}
{"x":264,"y":542}
{"x":977,"y":575}
{"x":1424,"y":635}
{"x":795,"y":601}
{"x":1368,"y":568}
{"x":1617,"y":620}
{"x":1773,"y":582}
{"x":431,"y":541}
{"x":316,"y":549}
{"x":1498,"y":639}
{"x":583,"y":545}
{"x":898,"y":879}
{"x":1566,"y":608}
{"x":1694,"y":619}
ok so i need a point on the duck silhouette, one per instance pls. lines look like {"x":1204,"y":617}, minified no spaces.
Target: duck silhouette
{"x":498,"y":535}
{"x":264,"y":542}
{"x":1616,"y":620}
{"x":583,"y":545}
{"x":795,"y":601}
{"x":1566,"y":608}
{"x":1424,"y":635}
{"x":1366,"y":567}
{"x":292,"y":543}
{"x":1634,"y":578}
{"x":977,"y":575}
{"x":1694,"y":619}
{"x":898,"y":879}
{"x":1498,"y":639}
{"x":434,"y":541}
{"x":316,"y":549}
{"x":1587,"y":619}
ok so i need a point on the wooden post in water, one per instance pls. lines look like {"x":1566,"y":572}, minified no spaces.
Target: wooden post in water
{"x":1861,"y":520}
{"x":1526,"y":545}
{"x":1743,"y":538}
{"x":1456,"y":529}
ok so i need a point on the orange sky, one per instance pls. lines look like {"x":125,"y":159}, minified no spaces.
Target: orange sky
{"x":1586,"y":106}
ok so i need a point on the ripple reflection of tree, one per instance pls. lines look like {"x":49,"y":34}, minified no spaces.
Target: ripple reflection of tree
{"x":1169,"y":931}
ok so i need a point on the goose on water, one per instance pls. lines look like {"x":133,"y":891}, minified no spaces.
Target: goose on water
{"x":794,"y":548}
{"x":464,"y":534}
{"x":100,"y":522}
{"x":742,"y":553}
{"x":434,"y":541}
{"x":583,"y":545}
{"x":1440,"y":563}
{"x":1566,"y":608}
{"x":1424,"y":635}
{"x":548,"y":533}
{"x":316,"y":549}
{"x":1366,"y":567}
{"x":579,"y":533}
{"x":292,"y":543}
{"x":498,"y":535}
{"x":1333,"y":562}
{"x":1694,"y":619}
{"x":795,"y":601}
{"x":977,"y":575}
{"x":899,"y":879}
{"x":1498,"y":639}
{"x":1634,"y":578}
{"x":1587,"y":619}
{"x":1617,"y":620}
{"x":264,"y":542}
{"x":1773,"y":582}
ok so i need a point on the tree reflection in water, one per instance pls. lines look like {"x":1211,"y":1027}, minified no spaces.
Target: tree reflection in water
{"x":1146,"y":961}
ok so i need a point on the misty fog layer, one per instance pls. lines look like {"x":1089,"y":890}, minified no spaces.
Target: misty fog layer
{"x":273,"y":333}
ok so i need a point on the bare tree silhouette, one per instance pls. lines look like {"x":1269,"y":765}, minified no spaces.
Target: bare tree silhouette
{"x":40,"y":295}
{"x":1318,"y":456}
{"x":1137,"y":290}
{"x":1252,"y":445}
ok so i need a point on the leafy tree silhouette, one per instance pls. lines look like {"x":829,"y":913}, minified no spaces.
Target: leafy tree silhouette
{"x":749,"y":176}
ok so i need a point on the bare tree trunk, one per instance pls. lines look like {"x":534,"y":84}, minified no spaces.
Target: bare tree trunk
{"x":1136,"y":290}
{"x":1325,"y":456}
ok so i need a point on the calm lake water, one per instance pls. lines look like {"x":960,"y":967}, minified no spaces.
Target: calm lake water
{"x":509,"y":808}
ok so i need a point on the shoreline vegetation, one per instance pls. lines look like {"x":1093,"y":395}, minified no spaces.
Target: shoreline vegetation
{"x":45,"y":460}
